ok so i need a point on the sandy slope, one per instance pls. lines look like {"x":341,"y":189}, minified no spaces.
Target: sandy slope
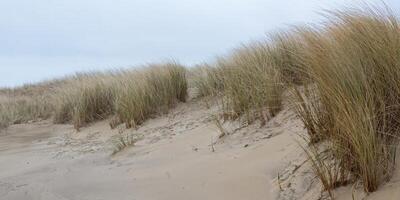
{"x":174,"y":160}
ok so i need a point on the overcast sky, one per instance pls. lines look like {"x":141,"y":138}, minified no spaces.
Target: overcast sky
{"x":42,"y":39}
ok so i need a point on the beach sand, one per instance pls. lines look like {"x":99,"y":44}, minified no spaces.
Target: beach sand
{"x":179,"y":156}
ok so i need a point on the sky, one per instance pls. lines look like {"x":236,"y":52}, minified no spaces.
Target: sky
{"x":44,"y":39}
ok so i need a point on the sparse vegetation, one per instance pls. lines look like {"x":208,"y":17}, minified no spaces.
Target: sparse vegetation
{"x":221,"y":129}
{"x":122,"y":141}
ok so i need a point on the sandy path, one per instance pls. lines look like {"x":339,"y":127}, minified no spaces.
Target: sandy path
{"x":174,"y":161}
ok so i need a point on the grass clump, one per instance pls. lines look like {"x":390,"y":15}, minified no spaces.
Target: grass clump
{"x":315,"y":117}
{"x":148,"y":91}
{"x":251,"y":85}
{"x":87,"y":98}
{"x":284,"y":48}
{"x":354,"y":62}
{"x":252,"y":79}
{"x":22,"y":109}
{"x":206,"y":79}
{"x":122,"y":141}
{"x":131,"y":95}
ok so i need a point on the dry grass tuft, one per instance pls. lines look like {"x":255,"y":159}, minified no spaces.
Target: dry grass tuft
{"x":123,"y":141}
{"x":131,"y":95}
{"x":284,"y":48}
{"x":354,"y":62}
{"x":86,"y":98}
{"x":21,"y":106}
{"x":247,"y":82}
{"x":206,"y":79}
{"x":143,"y":93}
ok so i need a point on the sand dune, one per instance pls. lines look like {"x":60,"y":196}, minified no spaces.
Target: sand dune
{"x":179,"y":156}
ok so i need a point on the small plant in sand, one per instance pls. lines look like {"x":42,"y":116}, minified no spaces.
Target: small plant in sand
{"x":220,"y":127}
{"x":123,"y":140}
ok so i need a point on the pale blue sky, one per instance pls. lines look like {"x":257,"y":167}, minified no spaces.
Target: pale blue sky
{"x":42,"y":39}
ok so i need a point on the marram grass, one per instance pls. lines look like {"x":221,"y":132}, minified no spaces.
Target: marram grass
{"x":349,"y":67}
{"x":354,"y":62}
{"x":131,"y":96}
